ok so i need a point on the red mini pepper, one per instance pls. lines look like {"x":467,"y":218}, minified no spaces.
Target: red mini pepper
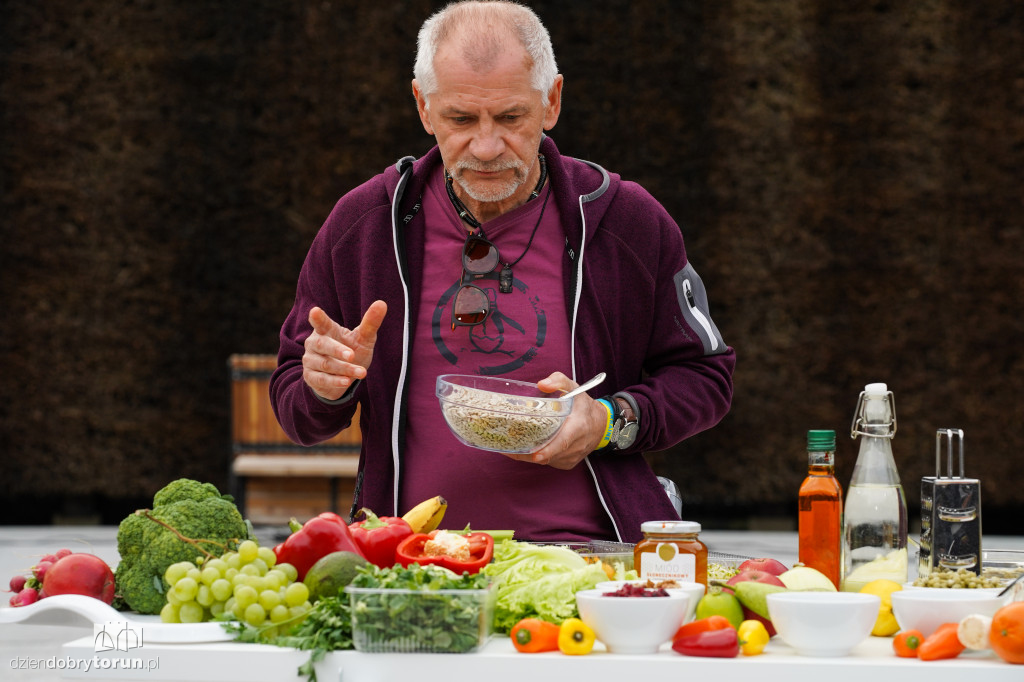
{"x":724,"y":643}
{"x":317,"y":538}
{"x":714,"y":622}
{"x":379,"y":536}
{"x":481,"y":550}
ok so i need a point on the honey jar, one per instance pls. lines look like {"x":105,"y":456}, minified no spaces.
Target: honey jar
{"x":671,"y":550}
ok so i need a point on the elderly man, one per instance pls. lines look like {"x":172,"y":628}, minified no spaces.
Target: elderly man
{"x":493,"y":254}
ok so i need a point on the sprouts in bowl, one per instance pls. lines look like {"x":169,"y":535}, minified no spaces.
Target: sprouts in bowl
{"x":500,"y":415}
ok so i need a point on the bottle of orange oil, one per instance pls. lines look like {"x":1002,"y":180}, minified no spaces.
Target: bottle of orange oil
{"x":820,"y":517}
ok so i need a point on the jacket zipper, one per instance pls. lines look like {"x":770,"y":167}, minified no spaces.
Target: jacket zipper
{"x":702,"y":320}
{"x":577,"y":291}
{"x":400,"y":260}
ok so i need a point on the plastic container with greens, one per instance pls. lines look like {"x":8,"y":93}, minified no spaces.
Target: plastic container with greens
{"x":420,"y":609}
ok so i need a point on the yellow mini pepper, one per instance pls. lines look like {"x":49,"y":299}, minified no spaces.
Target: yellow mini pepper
{"x":753,"y":637}
{"x":575,"y":637}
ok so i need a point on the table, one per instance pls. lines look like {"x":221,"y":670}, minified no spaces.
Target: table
{"x":47,"y":652}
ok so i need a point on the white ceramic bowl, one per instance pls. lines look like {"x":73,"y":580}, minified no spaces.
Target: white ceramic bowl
{"x":926,"y":608}
{"x":500,"y":415}
{"x":692,"y":590}
{"x":633,"y":625}
{"x":823,"y":623}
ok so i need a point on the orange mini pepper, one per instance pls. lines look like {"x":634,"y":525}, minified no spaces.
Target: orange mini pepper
{"x":907,"y":642}
{"x":533,"y":635}
{"x":943,"y":643}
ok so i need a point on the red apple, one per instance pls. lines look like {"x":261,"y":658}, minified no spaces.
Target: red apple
{"x":80,"y":574}
{"x":773,"y":566}
{"x":757,"y":576}
{"x":761,"y":577}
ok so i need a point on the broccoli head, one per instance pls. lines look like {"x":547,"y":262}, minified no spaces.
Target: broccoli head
{"x":189,"y":520}
{"x":186,"y":489}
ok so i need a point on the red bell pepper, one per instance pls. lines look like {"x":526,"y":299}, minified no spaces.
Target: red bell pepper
{"x":317,"y":538}
{"x":724,"y":643}
{"x":414,"y":550}
{"x":378,"y":537}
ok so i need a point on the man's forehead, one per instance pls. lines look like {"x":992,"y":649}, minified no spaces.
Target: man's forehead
{"x":493,"y":55}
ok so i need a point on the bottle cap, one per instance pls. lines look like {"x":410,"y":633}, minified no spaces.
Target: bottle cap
{"x":821,"y":440}
{"x":876,"y":389}
{"x":670,"y":527}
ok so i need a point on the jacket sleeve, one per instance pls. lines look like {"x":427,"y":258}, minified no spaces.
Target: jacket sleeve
{"x":668,"y":352}
{"x":305,"y":418}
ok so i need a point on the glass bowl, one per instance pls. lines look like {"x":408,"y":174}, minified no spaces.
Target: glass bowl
{"x":500,"y":415}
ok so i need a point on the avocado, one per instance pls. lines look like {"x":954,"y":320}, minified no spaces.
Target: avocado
{"x":332,"y":573}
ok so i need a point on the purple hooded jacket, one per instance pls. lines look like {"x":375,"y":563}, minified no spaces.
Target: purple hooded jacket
{"x":638,"y":311}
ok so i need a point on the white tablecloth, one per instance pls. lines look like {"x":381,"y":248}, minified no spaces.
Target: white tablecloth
{"x":47,"y":652}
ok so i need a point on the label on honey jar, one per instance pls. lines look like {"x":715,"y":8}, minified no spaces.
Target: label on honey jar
{"x":664,"y":561}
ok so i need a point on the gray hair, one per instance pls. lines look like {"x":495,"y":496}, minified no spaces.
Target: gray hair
{"x":517,"y":19}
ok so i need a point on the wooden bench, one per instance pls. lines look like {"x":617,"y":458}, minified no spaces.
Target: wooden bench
{"x":272,"y":478}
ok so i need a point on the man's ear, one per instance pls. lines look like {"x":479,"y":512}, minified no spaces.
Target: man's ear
{"x":421,"y":107}
{"x":553,"y":104}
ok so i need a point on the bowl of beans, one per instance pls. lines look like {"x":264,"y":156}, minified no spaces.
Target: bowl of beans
{"x":500,"y":415}
{"x":927,"y":609}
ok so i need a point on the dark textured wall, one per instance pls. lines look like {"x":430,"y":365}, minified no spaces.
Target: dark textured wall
{"x":848,"y":177}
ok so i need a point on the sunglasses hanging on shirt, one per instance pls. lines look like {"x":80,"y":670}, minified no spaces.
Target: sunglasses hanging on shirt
{"x":480,"y":256}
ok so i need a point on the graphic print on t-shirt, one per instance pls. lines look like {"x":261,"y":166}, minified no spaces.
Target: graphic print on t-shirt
{"x":509,"y":337}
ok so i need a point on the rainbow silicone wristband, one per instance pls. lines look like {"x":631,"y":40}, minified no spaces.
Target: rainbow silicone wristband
{"x":607,"y":438}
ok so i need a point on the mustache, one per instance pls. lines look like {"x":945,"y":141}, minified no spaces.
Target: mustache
{"x":490,"y":166}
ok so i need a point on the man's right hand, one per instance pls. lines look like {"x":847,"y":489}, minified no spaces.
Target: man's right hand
{"x":334,"y":356}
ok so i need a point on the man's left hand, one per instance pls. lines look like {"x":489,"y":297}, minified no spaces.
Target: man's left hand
{"x":579,"y":435}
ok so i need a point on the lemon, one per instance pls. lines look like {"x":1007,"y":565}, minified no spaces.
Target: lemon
{"x":885,"y":624}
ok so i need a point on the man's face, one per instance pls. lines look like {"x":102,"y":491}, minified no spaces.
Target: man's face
{"x":488,"y":125}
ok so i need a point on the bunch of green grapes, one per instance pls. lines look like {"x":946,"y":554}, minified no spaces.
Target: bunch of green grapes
{"x":248,"y":585}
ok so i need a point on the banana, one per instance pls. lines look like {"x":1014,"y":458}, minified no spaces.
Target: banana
{"x":426,"y":516}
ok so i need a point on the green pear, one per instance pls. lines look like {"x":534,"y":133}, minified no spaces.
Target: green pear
{"x":719,"y":602}
{"x":754,"y":595}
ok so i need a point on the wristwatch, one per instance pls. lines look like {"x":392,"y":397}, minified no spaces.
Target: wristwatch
{"x":624,"y":421}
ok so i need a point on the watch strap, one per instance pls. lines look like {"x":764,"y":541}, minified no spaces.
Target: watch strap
{"x":625,"y":422}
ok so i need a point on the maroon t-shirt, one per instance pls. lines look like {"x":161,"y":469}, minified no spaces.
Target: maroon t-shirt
{"x":525,"y":338}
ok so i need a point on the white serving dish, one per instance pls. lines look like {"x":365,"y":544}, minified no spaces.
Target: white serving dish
{"x":926,"y":608}
{"x":634,"y":625}
{"x":75,"y":609}
{"x":823,"y":624}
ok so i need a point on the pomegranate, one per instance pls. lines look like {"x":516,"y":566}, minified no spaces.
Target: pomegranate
{"x":85,"y":574}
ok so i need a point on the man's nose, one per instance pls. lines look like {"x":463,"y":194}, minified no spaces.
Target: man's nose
{"x":487,"y":143}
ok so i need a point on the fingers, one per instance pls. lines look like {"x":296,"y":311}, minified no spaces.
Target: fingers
{"x":326,"y":360}
{"x":556,"y":381}
{"x":319,"y":321}
{"x":325,"y":340}
{"x":578,"y":437}
{"x":373,"y":318}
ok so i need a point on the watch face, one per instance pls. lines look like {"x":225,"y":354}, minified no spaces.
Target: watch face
{"x":624,"y":433}
{"x":627,"y":435}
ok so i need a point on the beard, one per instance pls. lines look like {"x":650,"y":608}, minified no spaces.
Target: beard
{"x":491,"y":190}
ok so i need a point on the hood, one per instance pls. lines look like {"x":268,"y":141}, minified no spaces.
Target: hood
{"x":576,"y":184}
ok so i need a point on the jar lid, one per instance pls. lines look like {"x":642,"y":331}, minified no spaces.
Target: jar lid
{"x":670,"y":527}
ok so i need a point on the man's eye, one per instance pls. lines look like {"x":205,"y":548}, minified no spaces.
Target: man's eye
{"x":459,"y":119}
{"x":511,"y":118}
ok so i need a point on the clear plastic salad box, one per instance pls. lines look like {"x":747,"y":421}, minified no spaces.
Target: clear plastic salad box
{"x":420,"y":621}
